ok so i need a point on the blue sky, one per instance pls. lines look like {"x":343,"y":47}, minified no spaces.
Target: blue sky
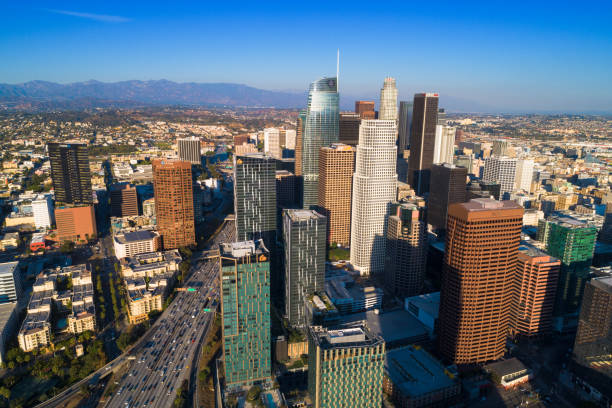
{"x":510,"y":55}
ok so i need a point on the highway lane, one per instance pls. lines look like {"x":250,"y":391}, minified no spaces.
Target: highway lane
{"x":162,"y":363}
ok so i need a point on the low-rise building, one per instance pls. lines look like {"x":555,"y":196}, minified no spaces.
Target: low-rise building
{"x":9,"y":241}
{"x":137,"y":242}
{"x":509,"y":373}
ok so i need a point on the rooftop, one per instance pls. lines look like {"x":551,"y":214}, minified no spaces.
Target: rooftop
{"x":428,"y":303}
{"x":506,"y":367}
{"x":243,"y":248}
{"x":303,"y":215}
{"x":8,"y":267}
{"x":604,"y":283}
{"x":135,"y":236}
{"x":486,"y":204}
{"x":350,"y":335}
{"x":415,"y":372}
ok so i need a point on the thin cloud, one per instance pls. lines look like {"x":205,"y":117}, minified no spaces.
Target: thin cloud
{"x":91,"y":16}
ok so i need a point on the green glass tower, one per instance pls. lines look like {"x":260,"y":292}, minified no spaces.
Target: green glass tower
{"x":345,"y":367}
{"x":321,"y":128}
{"x":245,"y":308}
{"x":573,"y":242}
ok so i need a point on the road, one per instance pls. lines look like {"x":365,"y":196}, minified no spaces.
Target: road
{"x":169,"y":356}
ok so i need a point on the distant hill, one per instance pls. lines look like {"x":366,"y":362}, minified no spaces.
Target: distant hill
{"x":42,"y":94}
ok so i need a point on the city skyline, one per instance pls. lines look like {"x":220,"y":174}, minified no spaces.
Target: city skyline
{"x":484,"y":58}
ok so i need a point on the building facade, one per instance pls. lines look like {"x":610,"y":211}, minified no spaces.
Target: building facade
{"x":444,"y":144}
{"x":349,"y":128}
{"x":304,"y":236}
{"x":374,"y":187}
{"x":76,"y":224}
{"x":134,"y":243}
{"x":501,"y":170}
{"x":44,"y":211}
{"x":388,"y":100}
{"x":124,"y":200}
{"x":345,"y":367}
{"x":320,"y":129}
{"x":173,"y":191}
{"x":422,"y":140}
{"x":255,"y":198}
{"x":405,"y":123}
{"x":336,"y":167}
{"x":11,"y":289}
{"x":365,"y":109}
{"x":70,"y":173}
{"x":524,"y":174}
{"x":482,"y":240}
{"x":189,"y":150}
{"x":533,"y":292}
{"x":245,"y":311}
{"x":448,"y":186}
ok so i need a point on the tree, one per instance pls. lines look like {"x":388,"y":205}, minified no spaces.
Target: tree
{"x":5,"y":392}
{"x":254,"y":393}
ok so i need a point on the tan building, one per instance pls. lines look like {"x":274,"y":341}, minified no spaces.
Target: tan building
{"x":174,"y":202}
{"x":34,"y":338}
{"x":75,"y":224}
{"x":482,"y":243}
{"x":139,"y":309}
{"x":9,"y":241}
{"x":82,"y":322}
{"x":242,"y":149}
{"x":336,"y":167}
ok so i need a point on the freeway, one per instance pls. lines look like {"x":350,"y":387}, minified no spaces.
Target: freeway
{"x":161,"y":364}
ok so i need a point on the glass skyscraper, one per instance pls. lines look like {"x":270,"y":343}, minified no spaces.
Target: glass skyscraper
{"x":320,"y":129}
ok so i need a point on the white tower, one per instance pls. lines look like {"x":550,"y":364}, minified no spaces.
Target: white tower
{"x":388,"y":100}
{"x":501,"y":170}
{"x":374,"y":184}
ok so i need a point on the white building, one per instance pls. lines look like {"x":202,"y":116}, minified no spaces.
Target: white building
{"x":273,"y":141}
{"x":43,"y":209}
{"x":388,"y":100}
{"x":444,"y":144}
{"x":189,"y":149}
{"x":290,"y":135}
{"x":501,"y":170}
{"x":134,"y":243}
{"x":10,"y":283}
{"x":374,"y":187}
{"x":524,"y":174}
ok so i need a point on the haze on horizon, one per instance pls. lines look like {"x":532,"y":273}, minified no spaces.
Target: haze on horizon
{"x":534,"y":56}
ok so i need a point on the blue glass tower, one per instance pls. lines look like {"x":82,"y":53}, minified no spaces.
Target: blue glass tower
{"x":320,"y":129}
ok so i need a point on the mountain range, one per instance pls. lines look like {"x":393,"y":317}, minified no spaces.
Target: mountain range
{"x":43,"y":95}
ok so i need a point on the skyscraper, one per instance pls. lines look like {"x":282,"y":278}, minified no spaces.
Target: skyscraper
{"x":299,"y":142}
{"x":594,"y":337}
{"x":124,"y":200}
{"x":349,"y":128}
{"x":245,"y":311}
{"x":189,"y":150}
{"x":173,"y":190}
{"x":336,"y":167}
{"x":304,"y":233}
{"x":444,"y":144}
{"x":345,"y":367}
{"x":524,"y":174}
{"x":70,"y":173}
{"x":406,"y":250}
{"x":44,"y":211}
{"x":365,"y":109}
{"x":274,"y":139}
{"x":533,"y":292}
{"x":573,"y":242}
{"x":501,"y":170}
{"x":320,"y":129}
{"x":448,"y":186}
{"x":388,"y":100}
{"x":11,"y":289}
{"x":374,"y":187}
{"x":422,"y":140}
{"x":405,"y":122}
{"x":255,"y":198}
{"x":482,"y":240}
{"x":500,"y":147}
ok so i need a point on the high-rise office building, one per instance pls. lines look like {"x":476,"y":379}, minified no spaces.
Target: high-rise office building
{"x":320,"y":129}
{"x":501,"y":170}
{"x":573,"y":242}
{"x":442,"y":120}
{"x":349,"y":128}
{"x":245,"y":311}
{"x":189,"y":150}
{"x":124,"y":200}
{"x":533,"y":292}
{"x":173,"y":188}
{"x":592,"y":357}
{"x":304,"y":233}
{"x":365,"y":109}
{"x":299,"y":143}
{"x":406,"y":249}
{"x":70,"y":173}
{"x":255,"y":198}
{"x":43,"y":210}
{"x":524,"y":174}
{"x":500,"y":147}
{"x":274,"y":141}
{"x":345,"y":367}
{"x":405,"y":122}
{"x":374,"y":188}
{"x":285,"y":189}
{"x":448,"y":186}
{"x":388,"y":100}
{"x":422,"y":140}
{"x":11,"y":289}
{"x":482,"y":240}
{"x":336,"y":167}
{"x":444,"y":144}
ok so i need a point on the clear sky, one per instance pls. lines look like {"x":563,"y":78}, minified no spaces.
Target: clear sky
{"x":512,"y":55}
